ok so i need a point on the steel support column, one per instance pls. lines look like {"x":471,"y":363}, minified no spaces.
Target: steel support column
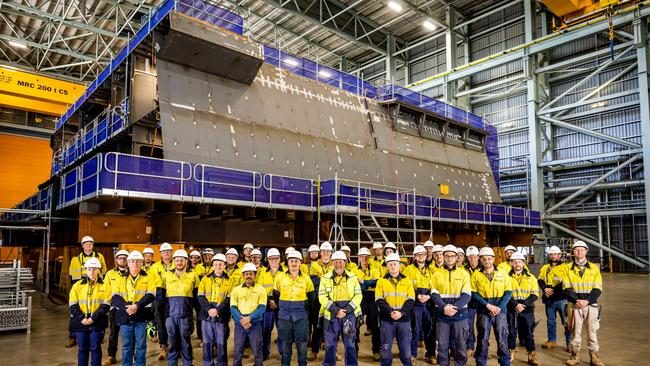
{"x":391,"y":64}
{"x":451,"y":55}
{"x":641,"y":41}
{"x":534,"y":125}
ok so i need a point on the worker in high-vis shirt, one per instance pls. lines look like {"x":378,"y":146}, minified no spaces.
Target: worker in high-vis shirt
{"x":121,"y":269}
{"x":473,"y":264}
{"x":77,"y":270}
{"x":256,"y":259}
{"x":194,"y":262}
{"x":317,"y":270}
{"x":390,"y":248}
{"x":505,"y":266}
{"x":205,"y":267}
{"x":267,"y":280}
{"x":583,"y":285}
{"x":428,"y":246}
{"x":247,"y":305}
{"x":395,"y":297}
{"x":377,"y":258}
{"x":89,"y":301}
{"x":339,"y":295}
{"x":451,"y":292}
{"x":180,"y":287}
{"x":147,"y":254}
{"x":246,"y":255}
{"x":460,"y":261}
{"x":232,"y":267}
{"x":133,"y":295}
{"x":438,"y":258}
{"x":421,"y":321}
{"x":293,"y":291}
{"x":521,"y":310}
{"x":314,"y":312}
{"x":158,"y":269}
{"x":492,"y":290}
{"x":350,"y":266}
{"x":214,"y":299}
{"x":550,"y":282}
{"x":368,"y":275}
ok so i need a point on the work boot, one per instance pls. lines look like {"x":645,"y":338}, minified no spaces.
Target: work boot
{"x":513,"y":352}
{"x":532,"y":359}
{"x":470,"y":353}
{"x":312,"y":356}
{"x":163,"y":353}
{"x":108,"y":361}
{"x":568,"y":349}
{"x":595,"y":359}
{"x":549,"y":345}
{"x":367,"y":332}
{"x":71,"y":343}
{"x":376,"y":357}
{"x":573,"y":360}
{"x":432,"y":360}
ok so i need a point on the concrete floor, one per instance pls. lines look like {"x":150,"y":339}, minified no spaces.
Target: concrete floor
{"x":624,"y":333}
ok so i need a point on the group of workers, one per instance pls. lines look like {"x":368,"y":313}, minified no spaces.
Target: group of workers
{"x":436,"y":302}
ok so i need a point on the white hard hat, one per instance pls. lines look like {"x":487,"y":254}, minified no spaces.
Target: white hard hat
{"x":510,"y":247}
{"x":165,"y":246}
{"x":449,"y":248}
{"x":122,"y":252}
{"x":248,"y":246}
{"x":232,"y":251}
{"x":554,"y":250}
{"x":313,"y":248}
{"x":195,"y":253}
{"x":249,"y":267}
{"x":272,"y":253}
{"x":294,"y":254}
{"x":460,"y":250}
{"x":472,"y":250}
{"x":208,"y":251}
{"x":363,"y":251}
{"x":180,"y":253}
{"x":428,"y":244}
{"x":289,"y":250}
{"x":377,"y":245}
{"x":419,"y":249}
{"x":87,"y":238}
{"x":135,"y":255}
{"x":517,"y":255}
{"x":390,"y":245}
{"x":92,"y":262}
{"x":486,"y":251}
{"x":579,"y":243}
{"x":437,"y":248}
{"x":326,"y":246}
{"x":256,"y":252}
{"x":392,"y":257}
{"x":345,"y":248}
{"x":219,"y":257}
{"x":147,"y":250}
{"x":339,"y":255}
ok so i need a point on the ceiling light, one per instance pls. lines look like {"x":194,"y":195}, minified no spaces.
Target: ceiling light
{"x":598,"y":105}
{"x":291,"y":61}
{"x":394,"y":5}
{"x":428,"y":25}
{"x":17,"y":44}
{"x":325,"y":73}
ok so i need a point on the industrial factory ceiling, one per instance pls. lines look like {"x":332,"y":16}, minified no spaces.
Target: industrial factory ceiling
{"x":76,"y":39}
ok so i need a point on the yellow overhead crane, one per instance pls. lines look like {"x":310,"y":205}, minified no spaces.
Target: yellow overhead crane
{"x":571,"y":12}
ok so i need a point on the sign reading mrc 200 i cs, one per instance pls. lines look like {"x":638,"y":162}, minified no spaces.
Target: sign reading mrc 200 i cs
{"x":23,"y":90}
